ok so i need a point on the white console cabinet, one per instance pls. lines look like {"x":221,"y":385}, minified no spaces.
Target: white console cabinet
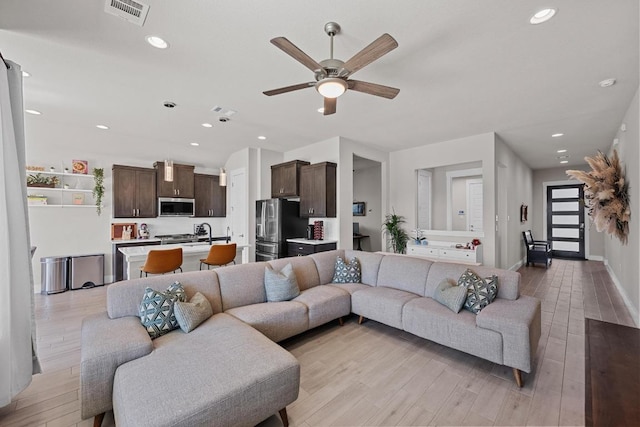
{"x":446,"y":251}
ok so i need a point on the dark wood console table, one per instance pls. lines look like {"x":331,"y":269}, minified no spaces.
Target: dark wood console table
{"x":612,"y":374}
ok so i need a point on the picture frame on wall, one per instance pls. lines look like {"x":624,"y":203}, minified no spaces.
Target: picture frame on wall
{"x":359,"y":209}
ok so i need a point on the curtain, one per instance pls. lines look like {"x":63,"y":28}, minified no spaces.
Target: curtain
{"x":18,"y":358}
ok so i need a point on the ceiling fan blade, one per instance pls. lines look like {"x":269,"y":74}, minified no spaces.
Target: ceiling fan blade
{"x":294,"y":51}
{"x":330,"y":106}
{"x":373,"y":89}
{"x":288,"y":89}
{"x":379,"y":47}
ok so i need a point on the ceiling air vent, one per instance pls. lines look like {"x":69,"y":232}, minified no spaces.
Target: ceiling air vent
{"x":224,"y":111}
{"x":129,"y":10}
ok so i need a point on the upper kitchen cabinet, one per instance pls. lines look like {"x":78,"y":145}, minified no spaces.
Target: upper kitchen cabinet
{"x":318,"y":190}
{"x":182,"y":184}
{"x":134,"y":192}
{"x":211,"y":198}
{"x":285,"y":179}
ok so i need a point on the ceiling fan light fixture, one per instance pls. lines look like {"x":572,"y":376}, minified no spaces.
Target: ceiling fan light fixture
{"x":331,"y":87}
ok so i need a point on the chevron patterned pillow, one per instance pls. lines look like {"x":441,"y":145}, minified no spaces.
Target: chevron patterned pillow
{"x":480,"y":292}
{"x":347,"y":272}
{"x":156,"y":309}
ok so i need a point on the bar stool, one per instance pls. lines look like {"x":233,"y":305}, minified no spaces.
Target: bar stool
{"x":220,"y":255}
{"x":162,"y":261}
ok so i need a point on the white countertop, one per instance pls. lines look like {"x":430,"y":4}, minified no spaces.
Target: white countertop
{"x":141,"y":252}
{"x":130,"y":241}
{"x":311,"y":242}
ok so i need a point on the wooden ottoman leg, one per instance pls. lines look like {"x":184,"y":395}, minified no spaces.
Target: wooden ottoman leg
{"x":340,"y":321}
{"x":518,"y":375}
{"x":360,"y":320}
{"x":97,"y":420}
{"x":284,"y":417}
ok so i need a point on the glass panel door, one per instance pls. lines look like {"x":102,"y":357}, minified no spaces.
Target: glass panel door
{"x":565,"y":220}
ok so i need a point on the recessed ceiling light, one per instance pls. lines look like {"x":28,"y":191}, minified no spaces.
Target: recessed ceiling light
{"x":262,"y":137}
{"x":542,"y":16}
{"x":564,"y":161}
{"x":607,"y":82}
{"x":34,"y":112}
{"x":556,"y":135}
{"x":562,"y":151}
{"x":25,"y":74}
{"x":562,"y":157}
{"x":156,"y":41}
{"x":103,"y":127}
{"x":207,"y":125}
{"x":195,"y":144}
{"x":321,"y":110}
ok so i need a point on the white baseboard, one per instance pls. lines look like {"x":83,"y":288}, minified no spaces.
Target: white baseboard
{"x":595,"y":257}
{"x":517,"y":265}
{"x":632,"y":310}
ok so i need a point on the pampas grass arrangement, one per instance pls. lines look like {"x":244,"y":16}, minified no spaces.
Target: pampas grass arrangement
{"x":606,"y":194}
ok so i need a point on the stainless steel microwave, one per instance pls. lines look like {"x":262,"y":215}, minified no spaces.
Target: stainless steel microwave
{"x":175,"y":207}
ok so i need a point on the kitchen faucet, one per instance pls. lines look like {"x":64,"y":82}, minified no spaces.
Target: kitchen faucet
{"x":209,"y":226}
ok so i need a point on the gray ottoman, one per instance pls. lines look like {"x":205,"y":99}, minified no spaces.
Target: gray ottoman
{"x":224,"y":373}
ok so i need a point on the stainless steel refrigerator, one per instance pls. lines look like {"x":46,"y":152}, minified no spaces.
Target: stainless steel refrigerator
{"x":276,"y":221}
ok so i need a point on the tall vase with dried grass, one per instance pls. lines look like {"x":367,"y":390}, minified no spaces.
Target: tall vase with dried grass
{"x":606,"y":193}
{"x":392,"y":227}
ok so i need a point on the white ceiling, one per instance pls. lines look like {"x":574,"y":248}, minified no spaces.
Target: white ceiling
{"x":463,"y":67}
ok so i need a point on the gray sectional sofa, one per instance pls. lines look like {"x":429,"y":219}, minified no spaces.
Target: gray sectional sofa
{"x":229,"y":371}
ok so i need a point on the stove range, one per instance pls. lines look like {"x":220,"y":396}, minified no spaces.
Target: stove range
{"x":166,"y":239}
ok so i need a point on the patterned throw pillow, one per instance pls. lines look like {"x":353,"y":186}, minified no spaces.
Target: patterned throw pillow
{"x":347,"y":272}
{"x":156,"y":309}
{"x":480,"y":292}
{"x":281,"y":285}
{"x":190,"y":314}
{"x":450,"y":295}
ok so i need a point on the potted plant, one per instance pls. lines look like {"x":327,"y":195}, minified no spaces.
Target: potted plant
{"x":39,"y":180}
{"x":98,"y":188}
{"x":397,"y":235}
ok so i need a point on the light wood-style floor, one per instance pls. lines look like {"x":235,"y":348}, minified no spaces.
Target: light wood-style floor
{"x":372,"y":374}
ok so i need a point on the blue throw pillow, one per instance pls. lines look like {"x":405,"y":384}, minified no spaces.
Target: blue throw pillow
{"x":347,"y":272}
{"x":157,"y":311}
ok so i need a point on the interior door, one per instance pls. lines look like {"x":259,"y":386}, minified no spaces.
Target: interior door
{"x":475,"y":205}
{"x":565,"y":220}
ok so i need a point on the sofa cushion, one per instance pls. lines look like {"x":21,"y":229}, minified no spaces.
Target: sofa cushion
{"x":242,"y":284}
{"x":450,"y":295}
{"x":223,"y":373}
{"x":280,"y":285}
{"x":190,"y":314}
{"x":369,"y":265}
{"x":509,"y":280}
{"x":156,"y":309}
{"x":304,"y":269}
{"x":347,"y":271}
{"x":123,"y":298}
{"x":325,"y":263}
{"x":381,"y":304}
{"x":325,"y":303}
{"x":428,"y":319}
{"x":404,"y":273}
{"x":480,"y":291}
{"x":276,"y":320}
{"x":350,"y":287}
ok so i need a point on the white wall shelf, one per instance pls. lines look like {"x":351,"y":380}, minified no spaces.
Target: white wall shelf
{"x":59,"y":196}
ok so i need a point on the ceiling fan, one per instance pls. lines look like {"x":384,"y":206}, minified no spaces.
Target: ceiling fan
{"x":332,"y":75}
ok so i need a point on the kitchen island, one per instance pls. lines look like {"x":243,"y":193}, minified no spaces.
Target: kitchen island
{"x":192,"y":253}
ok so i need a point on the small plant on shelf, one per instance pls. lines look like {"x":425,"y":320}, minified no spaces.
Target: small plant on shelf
{"x":98,"y":188}
{"x":39,"y":180}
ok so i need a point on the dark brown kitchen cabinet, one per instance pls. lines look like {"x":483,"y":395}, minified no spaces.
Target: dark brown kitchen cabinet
{"x":134,"y":192}
{"x":182,"y":184}
{"x":318,"y":190}
{"x":211,"y":198}
{"x":285,"y":179}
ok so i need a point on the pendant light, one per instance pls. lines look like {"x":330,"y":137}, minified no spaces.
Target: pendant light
{"x":223,"y":178}
{"x":168,"y":164}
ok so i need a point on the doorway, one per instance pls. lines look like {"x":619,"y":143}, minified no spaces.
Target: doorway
{"x":565,"y":220}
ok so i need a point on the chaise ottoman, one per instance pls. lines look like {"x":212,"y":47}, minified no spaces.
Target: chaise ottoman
{"x":223,"y":373}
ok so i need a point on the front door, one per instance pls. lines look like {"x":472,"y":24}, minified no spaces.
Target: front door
{"x":565,"y":220}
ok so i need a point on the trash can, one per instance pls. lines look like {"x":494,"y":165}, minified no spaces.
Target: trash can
{"x":54,"y":274}
{"x":86,"y":271}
